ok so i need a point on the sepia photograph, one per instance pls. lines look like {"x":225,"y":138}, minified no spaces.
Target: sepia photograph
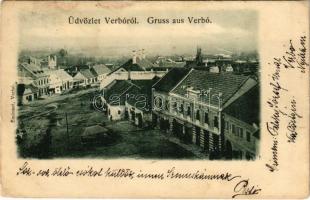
{"x":141,"y":96}
{"x":154,"y":99}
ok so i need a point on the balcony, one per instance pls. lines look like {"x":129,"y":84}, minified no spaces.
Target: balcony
{"x":197,"y":121}
{"x":216,"y":130}
{"x":206,"y":125}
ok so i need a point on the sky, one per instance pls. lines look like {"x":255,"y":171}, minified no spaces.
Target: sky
{"x":230,"y":31}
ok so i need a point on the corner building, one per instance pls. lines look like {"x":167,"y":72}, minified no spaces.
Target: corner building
{"x":217,"y":111}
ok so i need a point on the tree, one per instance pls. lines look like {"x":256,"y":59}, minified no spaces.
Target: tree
{"x":63,"y":53}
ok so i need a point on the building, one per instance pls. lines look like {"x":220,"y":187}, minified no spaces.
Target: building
{"x":136,"y":68}
{"x":52,"y":61}
{"x":114,"y":98}
{"x":197,"y":107}
{"x":100,"y":71}
{"x":73,"y":70}
{"x":84,"y":78}
{"x":241,"y":129}
{"x":160,"y":96}
{"x":138,"y":105}
{"x":39,"y":77}
{"x":95,"y":134}
{"x":59,"y":81}
{"x":26,"y":93}
{"x":168,"y":63}
{"x":129,"y":99}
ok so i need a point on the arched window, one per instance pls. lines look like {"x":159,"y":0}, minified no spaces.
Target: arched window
{"x":198,"y":115}
{"x":175,"y":106}
{"x":206,"y":118}
{"x":181,"y":108}
{"x":188,"y":110}
{"x":167,"y":105}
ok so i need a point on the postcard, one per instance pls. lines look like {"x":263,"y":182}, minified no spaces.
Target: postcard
{"x":155,"y":99}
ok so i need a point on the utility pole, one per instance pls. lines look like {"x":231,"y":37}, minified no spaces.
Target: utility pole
{"x":68,"y":139}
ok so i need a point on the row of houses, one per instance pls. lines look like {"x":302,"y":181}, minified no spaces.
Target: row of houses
{"x":219,"y":112}
{"x":36,"y":81}
{"x":223,"y":63}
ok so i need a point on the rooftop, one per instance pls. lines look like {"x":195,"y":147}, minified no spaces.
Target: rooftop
{"x":140,"y":65}
{"x":100,"y":69}
{"x":170,"y":80}
{"x":225,"y":83}
{"x":87,"y":73}
{"x":34,"y":69}
{"x":246,"y":107}
{"x":115,"y":92}
{"x":61,"y":74}
{"x":93,"y":130}
{"x":141,"y":96}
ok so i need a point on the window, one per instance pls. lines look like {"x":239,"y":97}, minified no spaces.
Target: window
{"x":158,"y":102}
{"x":175,"y":106}
{"x":248,"y":136}
{"x":233,"y":129}
{"x":197,"y":115}
{"x":181,"y":108}
{"x":226,"y":125}
{"x":206,"y":118}
{"x":241,"y":132}
{"x":188,"y":111}
{"x":216,"y":122}
{"x":167,"y":105}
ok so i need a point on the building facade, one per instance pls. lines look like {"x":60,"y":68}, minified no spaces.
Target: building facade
{"x":196,"y":111}
{"x":60,"y":81}
{"x":39,"y":76}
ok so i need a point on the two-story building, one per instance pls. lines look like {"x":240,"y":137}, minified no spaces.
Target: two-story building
{"x":197,"y":108}
{"x":39,"y":76}
{"x":138,"y":105}
{"x":60,"y":81}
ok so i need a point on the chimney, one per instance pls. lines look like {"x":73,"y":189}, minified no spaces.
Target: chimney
{"x":134,"y":57}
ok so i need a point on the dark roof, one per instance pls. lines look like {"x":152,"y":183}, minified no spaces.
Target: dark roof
{"x":121,"y":88}
{"x":170,"y":80}
{"x":93,"y":130}
{"x":140,"y":98}
{"x":80,"y":67}
{"x":117,"y":89}
{"x":35,"y":70}
{"x":100,"y":69}
{"x":24,"y":89}
{"x":247,"y":107}
{"x":172,"y":64}
{"x":142,"y":94}
{"x":87,"y":73}
{"x":140,"y":65}
{"x":226,"y":83}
